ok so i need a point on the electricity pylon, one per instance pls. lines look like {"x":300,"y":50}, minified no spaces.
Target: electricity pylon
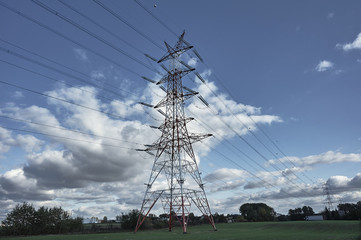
{"x":175,"y":163}
{"x":329,"y":201}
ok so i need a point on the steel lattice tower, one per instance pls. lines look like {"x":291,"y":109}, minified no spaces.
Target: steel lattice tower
{"x":175,"y":160}
{"x":326,"y":191}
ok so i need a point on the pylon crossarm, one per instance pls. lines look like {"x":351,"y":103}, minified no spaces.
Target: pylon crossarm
{"x":189,"y":95}
{"x":195,"y":137}
{"x":172,"y":53}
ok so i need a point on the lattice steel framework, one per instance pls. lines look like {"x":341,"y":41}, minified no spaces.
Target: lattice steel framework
{"x":175,"y":162}
{"x":329,"y":201}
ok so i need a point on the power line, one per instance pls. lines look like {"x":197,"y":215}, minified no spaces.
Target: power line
{"x":95,"y":1}
{"x":49,"y":9}
{"x":67,"y":38}
{"x":109,"y":10}
{"x":63,"y":82}
{"x":60,"y":71}
{"x":254,"y":149}
{"x":67,"y":138}
{"x":156,"y":18}
{"x":56,"y":80}
{"x":66,"y":129}
{"x":169,"y":29}
{"x":64,"y":100}
{"x":100,"y":26}
{"x":76,"y":87}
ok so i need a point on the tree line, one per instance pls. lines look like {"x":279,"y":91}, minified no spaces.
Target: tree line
{"x":25,"y":220}
{"x":258,"y":212}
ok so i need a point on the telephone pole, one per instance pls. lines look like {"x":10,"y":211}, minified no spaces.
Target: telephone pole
{"x":175,"y":162}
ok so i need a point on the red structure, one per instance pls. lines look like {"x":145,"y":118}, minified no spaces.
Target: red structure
{"x":175,"y":178}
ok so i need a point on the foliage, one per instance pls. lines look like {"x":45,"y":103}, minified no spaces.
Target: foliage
{"x":25,"y":220}
{"x":219,"y":218}
{"x":20,"y":220}
{"x":350,"y":211}
{"x":298,"y":214}
{"x":257,"y":212}
{"x":129,"y":220}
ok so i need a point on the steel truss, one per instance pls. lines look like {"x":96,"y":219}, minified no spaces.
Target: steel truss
{"x":175,"y":161}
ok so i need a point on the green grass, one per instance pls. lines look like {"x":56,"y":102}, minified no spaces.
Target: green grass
{"x":320,"y":230}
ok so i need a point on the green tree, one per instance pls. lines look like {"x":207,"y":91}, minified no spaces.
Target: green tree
{"x":219,"y":218}
{"x":129,"y":220}
{"x":25,"y":220}
{"x":20,"y":220}
{"x":257,"y":212}
{"x":307,"y":211}
{"x":298,"y":214}
{"x":42,"y":221}
{"x":350,"y":211}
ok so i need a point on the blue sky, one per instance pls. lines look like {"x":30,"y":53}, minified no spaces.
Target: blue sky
{"x":292,"y":66}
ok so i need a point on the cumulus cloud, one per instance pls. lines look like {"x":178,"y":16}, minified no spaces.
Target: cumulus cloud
{"x":229,"y":178}
{"x":329,"y":157}
{"x":16,"y":186}
{"x":226,"y":174}
{"x":89,"y":168}
{"x":225,"y":117}
{"x":302,"y":190}
{"x":28,"y":142}
{"x":356,"y":44}
{"x":343,"y":183}
{"x":6,"y":140}
{"x":324,"y":66}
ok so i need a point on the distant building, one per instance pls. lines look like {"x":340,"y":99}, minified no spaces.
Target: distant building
{"x":90,"y":220}
{"x":118,"y":219}
{"x":314,"y":218}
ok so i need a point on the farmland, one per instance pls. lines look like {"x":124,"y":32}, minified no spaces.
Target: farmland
{"x":320,"y":230}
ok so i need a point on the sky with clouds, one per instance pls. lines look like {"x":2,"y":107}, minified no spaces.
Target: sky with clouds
{"x":280,"y":79}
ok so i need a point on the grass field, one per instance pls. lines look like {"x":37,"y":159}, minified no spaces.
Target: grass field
{"x":320,"y":230}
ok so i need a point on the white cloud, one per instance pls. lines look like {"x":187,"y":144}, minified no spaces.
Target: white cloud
{"x":74,"y":172}
{"x":6,"y":140}
{"x":228,"y":178}
{"x":225,"y":118}
{"x":343,"y":183}
{"x":192,"y":62}
{"x":97,"y":75}
{"x":324,"y":66}
{"x":330,"y":15}
{"x":16,"y":186}
{"x":225,"y":174}
{"x":356,"y":44}
{"x":18,"y":94}
{"x":81,"y":54}
{"x":329,"y":157}
{"x":28,"y":142}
